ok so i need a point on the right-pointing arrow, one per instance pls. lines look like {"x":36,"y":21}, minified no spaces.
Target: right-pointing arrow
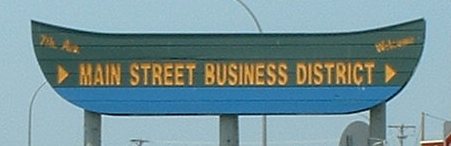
{"x":389,"y":73}
{"x":62,"y":74}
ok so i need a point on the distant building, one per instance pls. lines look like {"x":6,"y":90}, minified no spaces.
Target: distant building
{"x":432,"y":143}
{"x":446,"y":141}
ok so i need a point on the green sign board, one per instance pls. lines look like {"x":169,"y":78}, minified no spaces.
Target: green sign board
{"x":276,"y":73}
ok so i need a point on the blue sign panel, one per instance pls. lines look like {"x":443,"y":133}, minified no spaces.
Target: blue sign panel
{"x":214,"y":74}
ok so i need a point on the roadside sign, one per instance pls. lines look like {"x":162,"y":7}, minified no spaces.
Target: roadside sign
{"x":236,"y":73}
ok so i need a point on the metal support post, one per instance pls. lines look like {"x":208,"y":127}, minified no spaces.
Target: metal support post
{"x":92,"y":126}
{"x":377,"y":123}
{"x":228,"y":130}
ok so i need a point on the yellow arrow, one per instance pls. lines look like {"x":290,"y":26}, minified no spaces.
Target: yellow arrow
{"x":62,"y":74}
{"x":389,"y":73}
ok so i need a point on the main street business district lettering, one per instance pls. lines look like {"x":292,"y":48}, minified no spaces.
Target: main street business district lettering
{"x":239,"y":73}
{"x":227,"y":73}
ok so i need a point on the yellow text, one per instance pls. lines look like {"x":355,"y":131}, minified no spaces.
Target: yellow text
{"x":232,"y":74}
{"x":335,"y":73}
{"x":162,"y":74}
{"x":387,"y":45}
{"x":99,"y":74}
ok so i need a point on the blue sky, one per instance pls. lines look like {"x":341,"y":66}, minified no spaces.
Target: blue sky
{"x":57,"y":122}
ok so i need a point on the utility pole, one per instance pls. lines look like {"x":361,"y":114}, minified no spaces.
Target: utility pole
{"x":401,"y":129}
{"x":422,"y":134}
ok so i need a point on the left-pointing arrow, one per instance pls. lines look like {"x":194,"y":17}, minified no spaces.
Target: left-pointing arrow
{"x":62,"y":74}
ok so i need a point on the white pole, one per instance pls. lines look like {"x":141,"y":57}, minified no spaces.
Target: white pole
{"x":30,"y":111}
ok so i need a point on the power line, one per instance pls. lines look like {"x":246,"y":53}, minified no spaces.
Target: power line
{"x":435,"y":117}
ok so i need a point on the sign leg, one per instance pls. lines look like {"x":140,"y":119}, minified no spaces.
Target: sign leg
{"x":92,"y":126}
{"x":228,"y":130}
{"x":377,"y":124}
